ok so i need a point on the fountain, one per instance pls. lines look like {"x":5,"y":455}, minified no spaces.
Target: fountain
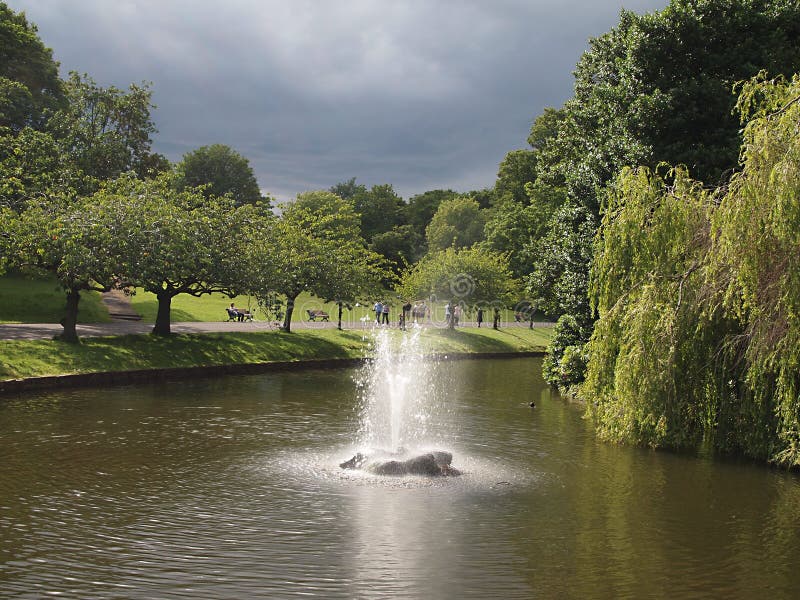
{"x":398,"y":406}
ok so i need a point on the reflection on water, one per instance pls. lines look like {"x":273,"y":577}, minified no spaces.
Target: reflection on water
{"x":230,"y":488}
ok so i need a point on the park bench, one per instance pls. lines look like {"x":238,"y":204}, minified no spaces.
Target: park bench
{"x":313,"y":315}
{"x":233,"y":315}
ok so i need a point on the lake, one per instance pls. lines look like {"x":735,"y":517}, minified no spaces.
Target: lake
{"x":230,"y":488}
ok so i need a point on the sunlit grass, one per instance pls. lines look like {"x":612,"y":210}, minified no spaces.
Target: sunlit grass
{"x":37,"y":299}
{"x":40,"y":300}
{"x":49,"y":357}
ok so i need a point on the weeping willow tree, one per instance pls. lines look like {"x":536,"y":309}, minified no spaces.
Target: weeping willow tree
{"x":698,"y":297}
{"x":755,"y":262}
{"x":649,"y":355}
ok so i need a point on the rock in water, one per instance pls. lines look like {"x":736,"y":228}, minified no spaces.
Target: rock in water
{"x":432,"y":464}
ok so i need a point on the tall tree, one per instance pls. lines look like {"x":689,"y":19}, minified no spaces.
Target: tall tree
{"x":380,"y":209}
{"x":105,"y":132}
{"x":421,"y":208}
{"x":656,"y":88}
{"x":222,"y":171}
{"x":29,"y":83}
{"x":348,"y":189}
{"x":457,"y":223}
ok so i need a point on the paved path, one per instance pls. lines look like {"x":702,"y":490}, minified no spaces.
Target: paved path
{"x":45,"y":331}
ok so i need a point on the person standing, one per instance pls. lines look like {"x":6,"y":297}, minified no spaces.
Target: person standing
{"x":406,"y":311}
{"x":456,"y":314}
{"x":385,"y":310}
{"x":378,"y":308}
{"x":480,"y":316}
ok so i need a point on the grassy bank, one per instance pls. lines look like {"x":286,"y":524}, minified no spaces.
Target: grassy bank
{"x":21,"y":359}
{"x":39,"y":299}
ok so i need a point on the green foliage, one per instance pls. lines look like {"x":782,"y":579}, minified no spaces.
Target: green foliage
{"x":170,"y":242}
{"x":222,"y":171}
{"x":698,"y":295}
{"x":565,"y":362}
{"x":33,"y":167}
{"x":647,"y":372}
{"x":348,"y":189}
{"x":756,"y":264}
{"x":105,"y":132}
{"x":401,"y":246}
{"x":380,"y":209}
{"x":314,"y":247}
{"x":29,"y":83}
{"x":470,"y":276}
{"x":458,"y":223}
{"x":517,"y":169}
{"x":559,"y":280}
{"x":656,"y":88}
{"x":421,"y":208}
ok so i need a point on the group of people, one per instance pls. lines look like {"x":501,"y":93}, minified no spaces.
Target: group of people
{"x":417,"y":312}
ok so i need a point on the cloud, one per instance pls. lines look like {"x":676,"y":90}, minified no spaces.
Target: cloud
{"x":419,"y":94}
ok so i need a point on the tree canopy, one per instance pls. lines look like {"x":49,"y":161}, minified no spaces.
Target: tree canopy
{"x":457,"y":223}
{"x":29,"y":83}
{"x":222,"y":171}
{"x":697,"y":293}
{"x":656,"y":88}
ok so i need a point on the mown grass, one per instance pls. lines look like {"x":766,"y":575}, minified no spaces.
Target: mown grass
{"x":21,"y":359}
{"x":31,"y":299}
{"x":37,"y":299}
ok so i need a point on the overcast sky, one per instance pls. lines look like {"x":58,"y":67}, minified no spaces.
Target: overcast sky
{"x":421,"y":94}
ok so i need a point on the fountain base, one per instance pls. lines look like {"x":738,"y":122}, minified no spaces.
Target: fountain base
{"x":432,"y":464}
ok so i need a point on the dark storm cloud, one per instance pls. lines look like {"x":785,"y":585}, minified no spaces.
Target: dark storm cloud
{"x":421,"y":94}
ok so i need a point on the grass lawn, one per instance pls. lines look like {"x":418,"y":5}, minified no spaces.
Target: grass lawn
{"x":22,"y":359}
{"x":39,"y":300}
{"x":36,"y":299}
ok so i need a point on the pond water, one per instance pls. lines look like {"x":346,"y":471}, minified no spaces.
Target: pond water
{"x":230,"y":488}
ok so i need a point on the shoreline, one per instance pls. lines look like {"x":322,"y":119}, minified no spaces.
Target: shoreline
{"x":9,"y":387}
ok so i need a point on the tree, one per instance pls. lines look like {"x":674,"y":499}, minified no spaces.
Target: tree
{"x":33,"y":167}
{"x":348,"y":189}
{"x":400,"y":246}
{"x":172,"y":242}
{"x":105,"y":132}
{"x":656,"y":88}
{"x":697,"y":293}
{"x":29,"y":83}
{"x":470,"y":277}
{"x":287,"y":258}
{"x":380,"y":209}
{"x":421,"y":208}
{"x":222,"y":171}
{"x":514,"y":229}
{"x":517,"y":169}
{"x":457,"y":223}
{"x":67,"y":240}
{"x":314,"y":246}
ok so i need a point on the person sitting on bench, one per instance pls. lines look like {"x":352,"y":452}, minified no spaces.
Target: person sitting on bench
{"x":237,"y":313}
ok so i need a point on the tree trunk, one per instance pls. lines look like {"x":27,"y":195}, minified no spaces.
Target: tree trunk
{"x":496,"y":324}
{"x":451,"y":319}
{"x":287,"y":321}
{"x":162,"y":326}
{"x":70,"y":320}
{"x":339,"y":326}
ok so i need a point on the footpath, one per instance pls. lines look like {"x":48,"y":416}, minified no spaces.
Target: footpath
{"x":46,"y":331}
